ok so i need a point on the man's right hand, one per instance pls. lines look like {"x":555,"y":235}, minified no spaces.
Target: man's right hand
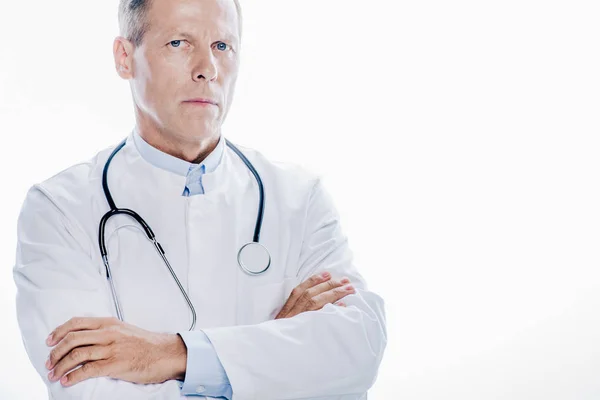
{"x":314,"y":293}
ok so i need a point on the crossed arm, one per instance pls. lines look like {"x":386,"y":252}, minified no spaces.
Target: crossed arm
{"x":109,"y":347}
{"x":344,"y":345}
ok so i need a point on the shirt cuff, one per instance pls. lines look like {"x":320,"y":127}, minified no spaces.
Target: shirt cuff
{"x":205,"y":375}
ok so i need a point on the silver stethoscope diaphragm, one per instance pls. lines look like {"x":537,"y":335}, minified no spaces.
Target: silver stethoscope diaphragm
{"x":254,"y":258}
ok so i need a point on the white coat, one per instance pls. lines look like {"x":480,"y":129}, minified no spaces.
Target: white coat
{"x":332,"y":353}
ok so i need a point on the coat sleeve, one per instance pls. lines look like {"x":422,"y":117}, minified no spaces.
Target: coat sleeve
{"x":330,"y":352}
{"x":56,"y":280}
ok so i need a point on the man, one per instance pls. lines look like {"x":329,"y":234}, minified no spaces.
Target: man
{"x":181,"y":58}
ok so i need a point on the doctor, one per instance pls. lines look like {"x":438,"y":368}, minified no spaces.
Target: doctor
{"x":187,"y":312}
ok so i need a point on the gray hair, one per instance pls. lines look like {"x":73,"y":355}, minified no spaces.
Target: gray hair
{"x":133,"y":19}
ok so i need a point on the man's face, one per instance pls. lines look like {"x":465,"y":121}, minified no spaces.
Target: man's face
{"x":189,"y":51}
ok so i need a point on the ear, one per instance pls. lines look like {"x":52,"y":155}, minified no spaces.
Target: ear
{"x":123,"y":53}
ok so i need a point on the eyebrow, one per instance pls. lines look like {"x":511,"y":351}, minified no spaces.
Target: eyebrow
{"x":227,"y":35}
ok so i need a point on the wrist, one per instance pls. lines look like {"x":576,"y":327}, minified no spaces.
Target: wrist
{"x":176,"y":356}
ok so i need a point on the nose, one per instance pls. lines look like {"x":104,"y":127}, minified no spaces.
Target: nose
{"x":205,"y":67}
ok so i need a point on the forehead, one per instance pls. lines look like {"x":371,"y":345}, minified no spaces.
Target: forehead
{"x":193,"y":16}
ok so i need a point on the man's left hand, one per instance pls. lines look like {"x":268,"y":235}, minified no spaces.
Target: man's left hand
{"x":109,"y":347}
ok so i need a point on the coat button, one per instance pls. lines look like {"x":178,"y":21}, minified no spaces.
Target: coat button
{"x":200,"y":389}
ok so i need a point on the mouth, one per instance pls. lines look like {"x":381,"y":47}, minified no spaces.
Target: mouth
{"x":201,"y":101}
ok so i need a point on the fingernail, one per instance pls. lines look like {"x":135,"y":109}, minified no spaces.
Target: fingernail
{"x":48,"y":363}
{"x":325,"y":275}
{"x":64,"y":380}
{"x":349,"y":288}
{"x":51,"y":375}
{"x":345,"y":280}
{"x":49,"y":340}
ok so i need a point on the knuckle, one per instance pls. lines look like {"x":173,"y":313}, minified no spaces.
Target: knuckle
{"x":296,"y":291}
{"x":332,"y":284}
{"x":87,"y":368}
{"x":311,"y":304}
{"x":306,"y":296}
{"x":68,"y":338}
{"x":113,"y":332}
{"x":76,"y":354}
{"x":113,"y":352}
{"x":52,"y":357}
{"x":285,"y":309}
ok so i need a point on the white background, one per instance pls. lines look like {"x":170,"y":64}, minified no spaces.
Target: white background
{"x":459,"y":139}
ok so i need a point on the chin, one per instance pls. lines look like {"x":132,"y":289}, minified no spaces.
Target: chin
{"x":199,"y":128}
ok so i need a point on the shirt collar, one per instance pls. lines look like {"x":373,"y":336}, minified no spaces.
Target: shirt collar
{"x":173,"y":164}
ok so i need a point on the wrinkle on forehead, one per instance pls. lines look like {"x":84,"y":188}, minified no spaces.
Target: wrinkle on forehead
{"x":168,"y":17}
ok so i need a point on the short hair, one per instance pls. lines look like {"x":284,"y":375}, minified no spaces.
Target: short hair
{"x":133,"y":19}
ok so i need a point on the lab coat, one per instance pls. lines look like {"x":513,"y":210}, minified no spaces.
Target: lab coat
{"x":332,"y":353}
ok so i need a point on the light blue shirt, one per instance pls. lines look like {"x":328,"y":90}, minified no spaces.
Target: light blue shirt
{"x":205,"y":375}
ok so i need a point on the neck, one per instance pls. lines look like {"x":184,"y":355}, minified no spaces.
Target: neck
{"x":193,"y":148}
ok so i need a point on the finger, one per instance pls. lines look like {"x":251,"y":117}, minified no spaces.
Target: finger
{"x":77,"y":324}
{"x":78,"y":356}
{"x":305,"y":301}
{"x":341,"y":304}
{"x":329,"y":285}
{"x":73,"y":340}
{"x":88,"y":370}
{"x":330,"y":296}
{"x":298,"y":290}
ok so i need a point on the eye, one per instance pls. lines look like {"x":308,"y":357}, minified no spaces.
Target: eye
{"x":175,"y":43}
{"x":222,"y":46}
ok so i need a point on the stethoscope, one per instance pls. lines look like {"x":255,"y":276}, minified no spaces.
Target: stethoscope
{"x":253,"y":258}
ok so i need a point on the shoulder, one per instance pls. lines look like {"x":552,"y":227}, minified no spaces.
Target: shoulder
{"x":287,"y":176}
{"x":71,"y":188}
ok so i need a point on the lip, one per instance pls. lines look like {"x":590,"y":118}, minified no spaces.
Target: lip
{"x":201,"y":100}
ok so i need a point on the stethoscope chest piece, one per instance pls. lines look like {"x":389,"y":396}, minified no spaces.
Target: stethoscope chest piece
{"x":254,"y":258}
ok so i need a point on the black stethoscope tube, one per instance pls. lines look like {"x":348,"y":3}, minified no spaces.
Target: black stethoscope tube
{"x":114,"y":210}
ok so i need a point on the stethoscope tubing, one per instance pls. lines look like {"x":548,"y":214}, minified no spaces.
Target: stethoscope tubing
{"x":114,"y":210}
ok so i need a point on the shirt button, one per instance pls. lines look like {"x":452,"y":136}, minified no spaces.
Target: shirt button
{"x":200,"y":389}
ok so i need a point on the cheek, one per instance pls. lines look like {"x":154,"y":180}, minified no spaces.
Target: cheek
{"x":229,"y":81}
{"x":229,"y":91}
{"x":160,"y":91}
